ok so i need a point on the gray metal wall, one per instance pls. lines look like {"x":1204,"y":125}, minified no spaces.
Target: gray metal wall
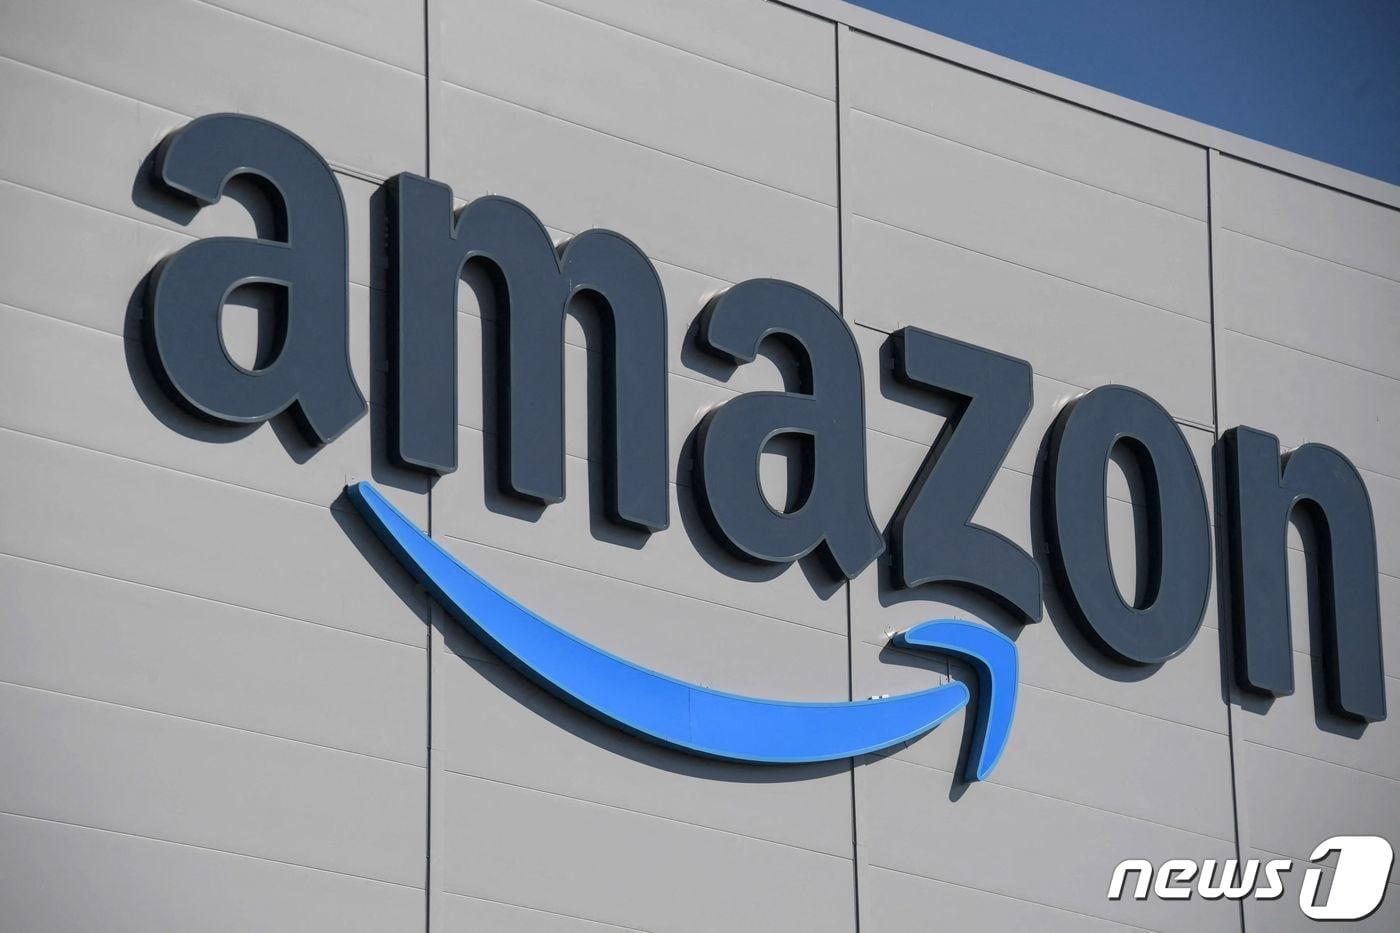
{"x":224,"y":708}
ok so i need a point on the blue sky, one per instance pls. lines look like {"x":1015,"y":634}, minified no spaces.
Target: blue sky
{"x":1318,"y":77}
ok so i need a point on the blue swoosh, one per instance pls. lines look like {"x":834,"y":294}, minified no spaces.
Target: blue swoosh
{"x":683,"y":715}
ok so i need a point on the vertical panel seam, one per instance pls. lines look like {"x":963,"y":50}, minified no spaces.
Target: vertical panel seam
{"x":841,"y":36}
{"x":1222,"y":562}
{"x":431,"y":867}
{"x":843,"y":213}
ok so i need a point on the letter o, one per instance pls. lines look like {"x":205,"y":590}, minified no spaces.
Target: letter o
{"x":1076,"y":525}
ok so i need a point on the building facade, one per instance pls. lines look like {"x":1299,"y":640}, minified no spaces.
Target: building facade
{"x":227,"y":707}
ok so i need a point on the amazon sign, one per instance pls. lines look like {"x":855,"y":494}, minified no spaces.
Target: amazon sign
{"x":932,"y":537}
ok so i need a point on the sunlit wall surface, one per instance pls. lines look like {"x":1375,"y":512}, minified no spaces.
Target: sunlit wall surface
{"x":226,"y":708}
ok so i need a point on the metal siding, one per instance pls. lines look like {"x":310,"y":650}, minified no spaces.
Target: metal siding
{"x":193,"y":58}
{"x":217,"y":687}
{"x":195,"y":783}
{"x":1034,"y":848}
{"x":576,"y":69}
{"x":678,"y":211}
{"x":895,"y":277}
{"x":615,"y":865}
{"x":1021,"y":125}
{"x":134,"y":884}
{"x":220,"y":709}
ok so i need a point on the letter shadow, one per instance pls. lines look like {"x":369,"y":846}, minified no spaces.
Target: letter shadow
{"x":378,"y":558}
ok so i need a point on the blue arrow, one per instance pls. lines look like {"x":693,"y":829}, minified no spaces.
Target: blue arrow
{"x":993,"y":658}
{"x":688,"y":716}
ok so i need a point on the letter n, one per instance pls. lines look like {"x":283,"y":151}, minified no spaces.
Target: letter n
{"x":1263,"y":490}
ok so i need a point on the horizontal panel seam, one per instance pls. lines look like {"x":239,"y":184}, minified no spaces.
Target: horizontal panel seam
{"x":540,"y":910}
{"x":685,"y":51}
{"x":242,"y":14}
{"x":213,"y":725}
{"x":94,"y":207}
{"x":689,"y":376}
{"x":645,"y":815}
{"x":1361,"y":467}
{"x":885,"y":331}
{"x":1070,"y":803}
{"x":1297,"y":249}
{"x":458,"y":203}
{"x":1101,"y":703}
{"x":87,"y":84}
{"x":1219,"y":733}
{"x":333,"y":506}
{"x":888,"y":330}
{"x":734,"y":393}
{"x":1021,"y":84}
{"x":648,"y":586}
{"x":1037,"y":168}
{"x":207,"y":599}
{"x":1379,"y":572}
{"x":336,"y":166}
{"x":472,"y":658}
{"x":152,"y":225}
{"x":1011,"y":262}
{"x":641,"y":145}
{"x":1179,"y":419}
{"x":1319,"y":658}
{"x":190,"y":845}
{"x":671,"y":482}
{"x":338,"y":508}
{"x":990,"y":893}
{"x":1321,"y":761}
{"x":1376,"y":473}
{"x":927,"y":445}
{"x":1315,"y":355}
{"x":375,"y":366}
{"x":1392,"y":881}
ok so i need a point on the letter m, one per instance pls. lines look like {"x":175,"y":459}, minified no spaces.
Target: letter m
{"x":533,"y":285}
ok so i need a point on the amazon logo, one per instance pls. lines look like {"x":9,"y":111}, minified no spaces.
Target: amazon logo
{"x":932,"y":537}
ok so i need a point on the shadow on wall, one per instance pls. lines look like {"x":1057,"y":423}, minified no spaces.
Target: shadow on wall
{"x":377,"y":557}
